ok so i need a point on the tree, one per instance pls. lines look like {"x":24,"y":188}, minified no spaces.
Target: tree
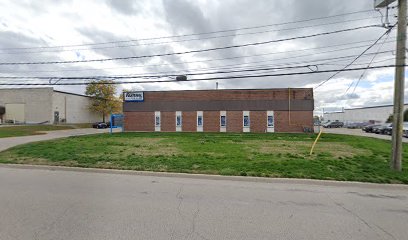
{"x":103,"y":96}
{"x":391,"y":117}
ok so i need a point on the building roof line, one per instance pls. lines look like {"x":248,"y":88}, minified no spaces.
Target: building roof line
{"x":222,"y":89}
{"x":75,"y":94}
{"x":358,"y":108}
{"x":378,"y":106}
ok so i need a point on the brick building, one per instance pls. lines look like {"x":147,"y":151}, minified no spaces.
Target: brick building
{"x":257,"y":110}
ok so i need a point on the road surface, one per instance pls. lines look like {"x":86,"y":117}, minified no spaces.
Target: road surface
{"x":356,"y":132}
{"x":9,"y":142}
{"x":44,"y":204}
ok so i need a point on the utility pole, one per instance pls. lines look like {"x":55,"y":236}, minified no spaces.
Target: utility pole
{"x":397,"y":126}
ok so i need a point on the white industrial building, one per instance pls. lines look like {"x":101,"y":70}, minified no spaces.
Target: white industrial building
{"x":45,"y":105}
{"x":363,"y":114}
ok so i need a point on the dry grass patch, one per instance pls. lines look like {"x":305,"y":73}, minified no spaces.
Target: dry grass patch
{"x":339,"y":150}
{"x":145,"y":147}
{"x":302,"y":148}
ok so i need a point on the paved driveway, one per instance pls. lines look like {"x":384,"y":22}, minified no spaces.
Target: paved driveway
{"x":44,"y":204}
{"x":357,"y":132}
{"x":6,"y":143}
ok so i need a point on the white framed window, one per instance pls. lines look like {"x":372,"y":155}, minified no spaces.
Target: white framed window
{"x":157,"y":121}
{"x":179,"y":120}
{"x":246,"y":121}
{"x":200,"y":121}
{"x":223,"y":121}
{"x":270,"y":121}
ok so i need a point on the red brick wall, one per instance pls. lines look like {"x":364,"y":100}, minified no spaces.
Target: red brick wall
{"x":211,"y":121}
{"x":258,"y":121}
{"x":144,"y":121}
{"x":234,"y":121}
{"x":298,"y":120}
{"x":139,"y":121}
{"x":168,"y":121}
{"x":189,"y":121}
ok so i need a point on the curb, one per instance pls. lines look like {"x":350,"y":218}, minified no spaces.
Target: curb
{"x":327,"y":183}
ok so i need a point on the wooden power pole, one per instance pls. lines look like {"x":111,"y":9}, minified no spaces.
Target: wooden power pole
{"x":397,"y":127}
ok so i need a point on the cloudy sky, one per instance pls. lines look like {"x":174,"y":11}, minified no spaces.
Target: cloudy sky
{"x":64,"y":30}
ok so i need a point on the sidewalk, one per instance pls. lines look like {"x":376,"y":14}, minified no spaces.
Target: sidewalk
{"x":6,"y":143}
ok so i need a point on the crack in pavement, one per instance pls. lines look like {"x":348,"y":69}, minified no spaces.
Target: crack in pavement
{"x":180,"y":198}
{"x":193,"y":221}
{"x":361,"y":219}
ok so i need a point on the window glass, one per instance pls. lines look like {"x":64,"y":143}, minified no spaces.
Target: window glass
{"x":270,"y":121}
{"x":246,"y":121}
{"x":157,"y":122}
{"x":199,"y":120}
{"x":223,"y":121}
{"x":178,"y":120}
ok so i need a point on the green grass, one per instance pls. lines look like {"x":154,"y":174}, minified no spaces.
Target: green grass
{"x":336,"y":157}
{"x":26,"y":130}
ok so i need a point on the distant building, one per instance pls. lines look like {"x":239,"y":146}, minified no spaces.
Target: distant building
{"x":237,"y":110}
{"x":363,"y":114}
{"x":45,"y":105}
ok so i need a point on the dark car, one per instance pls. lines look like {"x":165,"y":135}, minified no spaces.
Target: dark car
{"x":101,"y":125}
{"x":370,"y":128}
{"x":404,"y":129}
{"x":333,"y":124}
{"x":354,"y":125}
{"x":388,"y":130}
{"x":381,"y":129}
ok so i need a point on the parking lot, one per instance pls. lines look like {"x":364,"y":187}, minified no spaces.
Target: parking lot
{"x":355,"y":132}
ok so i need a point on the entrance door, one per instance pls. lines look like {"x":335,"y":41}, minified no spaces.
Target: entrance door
{"x":56,"y":117}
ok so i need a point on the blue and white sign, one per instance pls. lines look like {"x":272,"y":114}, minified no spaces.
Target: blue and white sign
{"x":133,"y":96}
{"x":116,"y":121}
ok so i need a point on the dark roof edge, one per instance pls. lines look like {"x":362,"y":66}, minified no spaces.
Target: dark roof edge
{"x":75,"y":94}
{"x":230,"y":89}
{"x":389,"y":105}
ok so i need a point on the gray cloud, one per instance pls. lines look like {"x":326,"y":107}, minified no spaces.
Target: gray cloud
{"x":128,"y":7}
{"x":175,"y":17}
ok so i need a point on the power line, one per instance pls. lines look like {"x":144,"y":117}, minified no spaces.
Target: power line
{"x":201,"y":79}
{"x":192,"y":51}
{"x":288,"y":65}
{"x":217,"y":59}
{"x":385,"y":33}
{"x":369,"y":64}
{"x":188,"y":40}
{"x":195,"y":34}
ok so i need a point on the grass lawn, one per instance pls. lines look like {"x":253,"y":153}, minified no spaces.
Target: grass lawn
{"x":25,"y":130}
{"x":337,"y":157}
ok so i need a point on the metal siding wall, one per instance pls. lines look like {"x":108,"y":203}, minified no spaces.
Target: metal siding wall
{"x":38,"y":102}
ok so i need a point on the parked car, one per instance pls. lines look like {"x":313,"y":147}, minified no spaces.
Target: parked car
{"x":381,"y":129}
{"x":101,"y":125}
{"x":388,"y":130}
{"x":404,"y":129}
{"x":370,"y":128}
{"x":333,"y":124}
{"x":354,"y":125}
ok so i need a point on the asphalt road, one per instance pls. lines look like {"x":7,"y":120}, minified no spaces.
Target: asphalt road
{"x":45,"y":204}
